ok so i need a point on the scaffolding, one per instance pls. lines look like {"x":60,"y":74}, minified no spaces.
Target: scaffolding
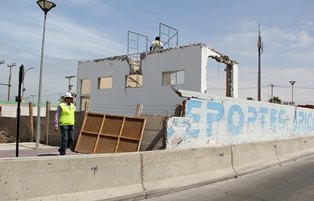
{"x":167,"y":34}
{"x":137,"y":43}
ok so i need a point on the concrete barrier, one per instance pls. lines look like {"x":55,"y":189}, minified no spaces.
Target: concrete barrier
{"x":164,"y":170}
{"x":141,"y":174}
{"x":88,"y":177}
{"x":293,"y":148}
{"x":254,"y":156}
{"x":308,"y":144}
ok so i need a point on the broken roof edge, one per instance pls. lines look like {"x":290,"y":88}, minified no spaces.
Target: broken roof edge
{"x":200,"y":95}
{"x":120,"y":57}
{"x":126,"y":57}
{"x":223,"y":58}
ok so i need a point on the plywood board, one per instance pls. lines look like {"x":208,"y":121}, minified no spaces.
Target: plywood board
{"x":126,"y":145}
{"x":132,"y":128}
{"x":102,"y":133}
{"x":112,"y":125}
{"x":93,"y":123}
{"x":89,"y":143}
{"x":107,"y":144}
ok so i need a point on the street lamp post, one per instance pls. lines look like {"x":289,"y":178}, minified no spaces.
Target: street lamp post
{"x":292,"y":83}
{"x":23,"y":89}
{"x":46,"y":6}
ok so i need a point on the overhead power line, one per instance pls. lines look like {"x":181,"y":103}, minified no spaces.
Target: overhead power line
{"x":283,"y":86}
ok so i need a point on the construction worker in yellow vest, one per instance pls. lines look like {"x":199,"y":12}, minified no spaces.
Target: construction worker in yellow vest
{"x":156,"y":45}
{"x":64,"y":118}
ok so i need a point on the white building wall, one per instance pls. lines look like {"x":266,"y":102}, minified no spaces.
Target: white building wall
{"x":187,"y":59}
{"x":152,"y":95}
{"x":206,"y":52}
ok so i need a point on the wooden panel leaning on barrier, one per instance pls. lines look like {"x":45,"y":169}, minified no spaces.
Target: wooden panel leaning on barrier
{"x":103,"y":133}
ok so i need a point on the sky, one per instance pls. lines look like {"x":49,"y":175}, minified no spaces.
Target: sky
{"x":79,"y":30}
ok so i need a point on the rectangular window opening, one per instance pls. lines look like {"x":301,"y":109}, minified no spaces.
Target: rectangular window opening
{"x":105,"y":82}
{"x":173,"y":78}
{"x":85,"y":86}
{"x":134,"y":81}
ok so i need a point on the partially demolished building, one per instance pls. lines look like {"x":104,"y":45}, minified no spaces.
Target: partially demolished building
{"x":118,"y":84}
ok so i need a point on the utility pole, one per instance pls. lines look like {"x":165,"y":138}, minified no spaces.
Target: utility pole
{"x":70,"y":85}
{"x":9,"y":83}
{"x":1,"y":62}
{"x":260,"y":51}
{"x":272,"y":90}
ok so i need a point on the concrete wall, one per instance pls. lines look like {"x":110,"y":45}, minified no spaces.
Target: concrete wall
{"x":9,"y":110}
{"x":154,"y":136}
{"x":216,"y":121}
{"x":139,"y":174}
{"x":8,"y":125}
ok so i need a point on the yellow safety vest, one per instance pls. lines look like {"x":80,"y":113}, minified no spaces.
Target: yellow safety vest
{"x":66,"y":117}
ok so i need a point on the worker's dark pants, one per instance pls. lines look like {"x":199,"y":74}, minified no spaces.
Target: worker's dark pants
{"x":67,"y":137}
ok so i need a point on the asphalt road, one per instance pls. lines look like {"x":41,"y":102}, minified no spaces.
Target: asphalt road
{"x":293,"y":181}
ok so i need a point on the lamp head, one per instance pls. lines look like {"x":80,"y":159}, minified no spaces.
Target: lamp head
{"x":292,"y":82}
{"x":46,"y":6}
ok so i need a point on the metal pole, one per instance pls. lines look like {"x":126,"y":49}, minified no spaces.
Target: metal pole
{"x":9,"y":82}
{"x":48,"y":105}
{"x":128,"y":45}
{"x":292,"y":83}
{"x":40,"y":83}
{"x":272,"y":88}
{"x":18,"y":114}
{"x":1,"y":62}
{"x":292,"y":94}
{"x":260,"y":50}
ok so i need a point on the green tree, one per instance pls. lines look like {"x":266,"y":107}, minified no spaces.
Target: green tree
{"x":275,"y":99}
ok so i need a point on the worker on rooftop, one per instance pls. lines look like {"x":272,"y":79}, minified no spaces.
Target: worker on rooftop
{"x":156,"y":45}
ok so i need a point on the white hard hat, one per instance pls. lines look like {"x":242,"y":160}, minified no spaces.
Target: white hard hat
{"x":68,"y":95}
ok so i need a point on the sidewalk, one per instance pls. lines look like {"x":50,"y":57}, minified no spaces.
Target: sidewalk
{"x":28,"y":149}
